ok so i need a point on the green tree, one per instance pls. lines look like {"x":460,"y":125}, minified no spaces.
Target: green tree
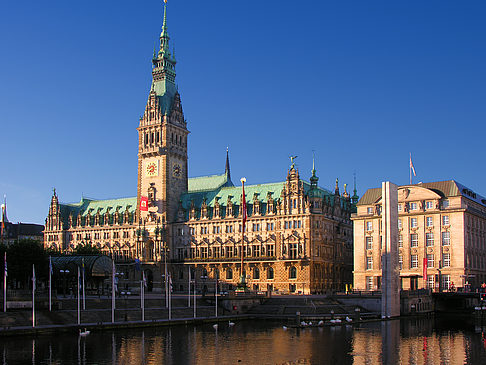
{"x":20,"y":257}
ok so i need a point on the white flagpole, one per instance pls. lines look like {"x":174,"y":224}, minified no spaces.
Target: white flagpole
{"x":141,"y":300}
{"x":5,"y":285}
{"x":194,"y":297}
{"x":79,"y":317}
{"x":216,"y":298}
{"x":189,"y":296}
{"x":33,"y":295}
{"x":170,"y":293}
{"x":50,"y":284}
{"x":410,"y":168}
{"x":113,"y":294}
{"x":84,"y":292}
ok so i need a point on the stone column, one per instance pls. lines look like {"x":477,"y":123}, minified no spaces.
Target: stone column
{"x":390,"y":291}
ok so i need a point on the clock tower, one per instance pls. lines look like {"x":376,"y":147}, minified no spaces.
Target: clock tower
{"x":162,"y":140}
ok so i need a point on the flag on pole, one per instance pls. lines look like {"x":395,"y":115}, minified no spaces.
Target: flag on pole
{"x":144,"y":203}
{"x":412,"y":169}
{"x":144,"y":279}
{"x":243,"y":206}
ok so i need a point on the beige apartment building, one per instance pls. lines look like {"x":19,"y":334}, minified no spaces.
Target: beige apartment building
{"x":441,"y":237}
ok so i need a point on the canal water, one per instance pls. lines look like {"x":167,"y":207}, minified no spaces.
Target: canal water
{"x":410,"y":341}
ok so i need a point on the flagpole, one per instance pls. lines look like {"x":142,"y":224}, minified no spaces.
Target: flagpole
{"x":78,"y":298}
{"x":33,"y":295}
{"x":170,"y":299}
{"x":189,"y":296}
{"x":113,"y":294}
{"x":5,"y":285}
{"x":141,"y":300}
{"x":216,"y":298}
{"x":242,"y":285}
{"x":194,"y":297}
{"x":84,"y":292}
{"x":50,"y":284}
{"x":410,"y":168}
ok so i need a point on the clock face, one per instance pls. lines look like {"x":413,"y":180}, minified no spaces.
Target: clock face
{"x":176,"y":170}
{"x":152,"y":169}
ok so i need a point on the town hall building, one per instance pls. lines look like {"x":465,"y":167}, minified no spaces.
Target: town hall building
{"x":298,"y":236}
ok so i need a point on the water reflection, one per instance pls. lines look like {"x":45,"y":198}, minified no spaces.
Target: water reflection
{"x":422,"y":341}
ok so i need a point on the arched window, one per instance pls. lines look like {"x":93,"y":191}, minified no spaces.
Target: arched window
{"x":270,"y":273}
{"x":205,"y":272}
{"x":256,"y":273}
{"x":229,"y":274}
{"x":293,"y":273}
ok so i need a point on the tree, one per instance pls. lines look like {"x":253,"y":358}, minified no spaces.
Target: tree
{"x":20,"y":257}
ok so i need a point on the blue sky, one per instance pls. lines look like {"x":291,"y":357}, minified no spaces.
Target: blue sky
{"x":362,"y":83}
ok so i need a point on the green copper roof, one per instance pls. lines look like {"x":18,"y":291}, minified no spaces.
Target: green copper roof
{"x":91,"y":206}
{"x":164,"y":63}
{"x":205,"y":183}
{"x":221,"y":194}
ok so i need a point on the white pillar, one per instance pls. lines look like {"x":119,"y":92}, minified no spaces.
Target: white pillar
{"x":390,"y":291}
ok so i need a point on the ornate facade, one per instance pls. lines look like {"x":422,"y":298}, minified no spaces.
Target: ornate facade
{"x":298,"y":236}
{"x":442,"y":237}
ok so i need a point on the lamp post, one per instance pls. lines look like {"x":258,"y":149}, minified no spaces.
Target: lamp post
{"x":242,"y":283}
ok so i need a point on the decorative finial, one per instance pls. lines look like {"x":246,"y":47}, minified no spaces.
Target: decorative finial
{"x":227,"y":166}
{"x":292,"y":163}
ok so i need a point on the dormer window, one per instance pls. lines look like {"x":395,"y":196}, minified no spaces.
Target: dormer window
{"x":445,"y":204}
{"x":369,"y":210}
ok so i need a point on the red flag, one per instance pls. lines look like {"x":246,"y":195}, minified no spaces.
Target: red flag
{"x":143,"y":203}
{"x":243,"y":207}
{"x":425,"y":268}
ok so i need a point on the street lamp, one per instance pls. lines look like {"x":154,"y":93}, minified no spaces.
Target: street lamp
{"x":242,"y":283}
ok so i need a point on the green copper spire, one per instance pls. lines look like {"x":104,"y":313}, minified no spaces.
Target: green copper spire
{"x":355,"y":197}
{"x":163,"y":70}
{"x":314,"y":178}
{"x":164,"y":35}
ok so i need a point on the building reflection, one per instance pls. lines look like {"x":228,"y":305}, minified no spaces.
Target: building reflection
{"x":414,"y":341}
{"x":399,"y":343}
